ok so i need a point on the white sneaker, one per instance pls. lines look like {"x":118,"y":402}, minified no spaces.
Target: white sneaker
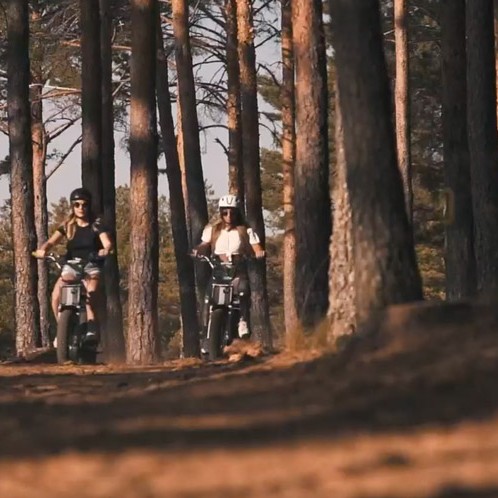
{"x":243,"y":329}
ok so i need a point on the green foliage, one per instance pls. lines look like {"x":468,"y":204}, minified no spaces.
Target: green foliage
{"x":272,"y":182}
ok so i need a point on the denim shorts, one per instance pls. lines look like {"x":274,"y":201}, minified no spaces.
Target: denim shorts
{"x":91,"y":270}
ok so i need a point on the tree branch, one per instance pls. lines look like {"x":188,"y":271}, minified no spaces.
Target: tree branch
{"x":63,"y":158}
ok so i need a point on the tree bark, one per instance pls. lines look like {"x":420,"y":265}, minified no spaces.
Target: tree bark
{"x":342,"y":310}
{"x":235,"y":158}
{"x":196,"y":193}
{"x":91,"y":101}
{"x":460,"y":260}
{"x":197,"y":205}
{"x":180,"y":148}
{"x":288,"y":159}
{"x":481,"y":116}
{"x":402,"y":101}
{"x":260,"y":322}
{"x":113,"y":337}
{"x":143,"y":343}
{"x":39,"y":144}
{"x":21,"y":176}
{"x":385,"y":265}
{"x":184,"y":264}
{"x":311,"y":181}
{"x":496,"y":47}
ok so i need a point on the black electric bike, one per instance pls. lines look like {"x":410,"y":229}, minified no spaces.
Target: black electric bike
{"x":222,"y":304}
{"x":72,"y":322}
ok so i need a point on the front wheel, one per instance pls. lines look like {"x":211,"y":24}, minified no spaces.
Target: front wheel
{"x":215,"y":333}
{"x":65,"y":329}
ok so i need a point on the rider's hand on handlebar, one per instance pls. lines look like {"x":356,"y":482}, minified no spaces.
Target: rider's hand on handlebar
{"x":39,"y":253}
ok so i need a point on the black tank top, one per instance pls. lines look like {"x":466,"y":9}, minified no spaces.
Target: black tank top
{"x":86,"y":240}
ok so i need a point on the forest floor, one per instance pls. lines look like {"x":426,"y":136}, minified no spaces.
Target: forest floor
{"x":410,"y":411}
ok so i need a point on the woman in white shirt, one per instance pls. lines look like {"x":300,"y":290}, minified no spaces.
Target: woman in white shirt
{"x":228,"y":237}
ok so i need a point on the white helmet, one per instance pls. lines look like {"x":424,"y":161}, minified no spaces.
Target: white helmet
{"x":228,"y":201}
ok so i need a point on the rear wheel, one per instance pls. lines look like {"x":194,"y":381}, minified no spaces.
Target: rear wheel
{"x":66,"y":325}
{"x":215,"y":333}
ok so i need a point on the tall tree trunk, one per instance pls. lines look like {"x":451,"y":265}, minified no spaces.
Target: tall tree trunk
{"x":197,"y":205}
{"x":342,"y":310}
{"x":460,"y":260}
{"x":260,"y":322}
{"x":184,"y":264}
{"x":496,"y":47}
{"x":196,"y":192}
{"x":143,"y":343}
{"x":91,"y":101}
{"x":385,"y":265}
{"x":312,"y":192}
{"x":21,"y":176}
{"x":481,"y":116}
{"x":235,"y":160}
{"x":113,"y":337}
{"x":39,"y":143}
{"x":402,"y":101}
{"x":288,"y":158}
{"x":180,"y":148}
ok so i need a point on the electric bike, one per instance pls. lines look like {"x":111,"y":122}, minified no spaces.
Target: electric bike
{"x":72,"y":321}
{"x":221,"y":304}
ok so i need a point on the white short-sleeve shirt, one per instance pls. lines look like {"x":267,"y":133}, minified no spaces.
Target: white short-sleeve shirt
{"x":228,"y":241}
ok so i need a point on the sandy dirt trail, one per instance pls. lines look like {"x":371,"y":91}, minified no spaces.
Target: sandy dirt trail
{"x":394,"y":423}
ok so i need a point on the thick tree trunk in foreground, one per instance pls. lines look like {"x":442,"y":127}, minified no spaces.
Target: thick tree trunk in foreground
{"x":385,"y":265}
{"x":143,"y":342}
{"x":312,"y":193}
{"x":260,"y":321}
{"x":184,"y":264}
{"x":288,"y":160}
{"x":402,"y":101}
{"x":21,"y":176}
{"x":91,"y":101}
{"x":460,"y":260}
{"x":342,"y":310}
{"x":483,"y":146}
{"x":113,"y":336}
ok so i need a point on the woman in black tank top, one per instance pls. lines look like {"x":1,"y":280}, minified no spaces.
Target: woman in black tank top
{"x":86,"y":238}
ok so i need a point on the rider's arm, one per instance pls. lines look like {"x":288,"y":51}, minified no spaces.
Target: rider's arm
{"x":259,"y":252}
{"x":41,"y":252}
{"x":106,"y":244}
{"x":256,"y":245}
{"x":205,"y":246}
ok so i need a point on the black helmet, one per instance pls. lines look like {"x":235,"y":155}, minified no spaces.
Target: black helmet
{"x":80,"y":194}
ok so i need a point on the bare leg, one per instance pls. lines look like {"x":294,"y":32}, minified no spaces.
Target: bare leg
{"x":56,"y":297}
{"x":91,"y":284}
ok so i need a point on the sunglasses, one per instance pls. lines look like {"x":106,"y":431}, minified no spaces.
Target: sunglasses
{"x":80,"y":204}
{"x":224,"y":212}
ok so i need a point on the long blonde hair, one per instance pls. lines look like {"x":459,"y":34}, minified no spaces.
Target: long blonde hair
{"x":70,"y":223}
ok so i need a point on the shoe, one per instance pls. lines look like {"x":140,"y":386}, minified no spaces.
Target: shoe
{"x":204,"y":347}
{"x":91,"y":336}
{"x":243,"y":329}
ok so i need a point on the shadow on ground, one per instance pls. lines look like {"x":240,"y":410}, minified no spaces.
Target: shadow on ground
{"x":415,"y":366}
